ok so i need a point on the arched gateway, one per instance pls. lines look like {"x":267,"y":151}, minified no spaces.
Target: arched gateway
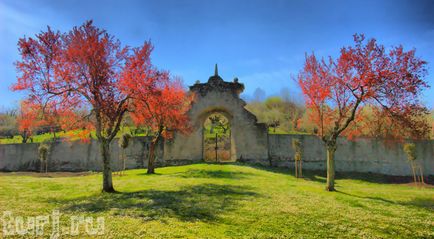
{"x":248,"y":139}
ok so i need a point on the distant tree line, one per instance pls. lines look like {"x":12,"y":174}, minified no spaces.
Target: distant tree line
{"x":284,"y":114}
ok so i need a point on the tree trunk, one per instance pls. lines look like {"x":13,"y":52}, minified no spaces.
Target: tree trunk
{"x":296,"y":168}
{"x":216,"y":148}
{"x":331,"y":168}
{"x":301,"y":168}
{"x":421,"y":175}
{"x":24,"y":140}
{"x":123,"y":161}
{"x":151,"y":161}
{"x":107,"y":171}
{"x":414,"y":173}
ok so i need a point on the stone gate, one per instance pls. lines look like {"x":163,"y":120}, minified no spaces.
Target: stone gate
{"x":248,"y":137}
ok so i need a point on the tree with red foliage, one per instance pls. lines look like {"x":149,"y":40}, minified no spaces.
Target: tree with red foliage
{"x":164,"y":112}
{"x":79,"y":69}
{"x":364,"y":74}
{"x":26,"y":120}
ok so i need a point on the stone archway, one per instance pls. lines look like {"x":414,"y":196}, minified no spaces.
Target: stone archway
{"x":218,"y":142}
{"x":249,"y":138}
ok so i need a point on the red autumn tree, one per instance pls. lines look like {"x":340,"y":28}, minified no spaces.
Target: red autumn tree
{"x":164,"y":112}
{"x":79,"y":69}
{"x":364,"y":74}
{"x":26,"y":120}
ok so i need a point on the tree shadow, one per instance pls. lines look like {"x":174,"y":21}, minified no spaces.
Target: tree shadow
{"x":320,"y":176}
{"x":204,"y":202}
{"x":200,"y":173}
{"x":379,"y":199}
{"x":381,"y":178}
{"x":425,"y":203}
{"x":310,"y":175}
{"x":147,"y":174}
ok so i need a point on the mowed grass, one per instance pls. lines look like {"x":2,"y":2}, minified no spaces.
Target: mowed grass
{"x":227,"y":201}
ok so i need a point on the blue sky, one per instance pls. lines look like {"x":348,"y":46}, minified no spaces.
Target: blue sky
{"x":261,"y":42}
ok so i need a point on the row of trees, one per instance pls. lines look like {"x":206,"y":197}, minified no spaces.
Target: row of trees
{"x":278,"y":112}
{"x":283,"y":115}
{"x":85,"y":79}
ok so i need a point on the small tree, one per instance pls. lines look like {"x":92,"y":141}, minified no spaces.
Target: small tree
{"x":43,"y":156}
{"x":26,"y":121}
{"x":296,"y":145}
{"x":410,"y":150}
{"x":164,"y":112}
{"x":123,"y":143}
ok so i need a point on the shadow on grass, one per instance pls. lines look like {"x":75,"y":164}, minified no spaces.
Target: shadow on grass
{"x":201,"y":173}
{"x":426,"y":203}
{"x":310,"y":175}
{"x":147,"y":174}
{"x":204,"y":202}
{"x":367,"y":197}
{"x":320,"y":176}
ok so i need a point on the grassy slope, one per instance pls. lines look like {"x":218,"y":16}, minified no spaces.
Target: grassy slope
{"x":221,"y":201}
{"x":17,"y":139}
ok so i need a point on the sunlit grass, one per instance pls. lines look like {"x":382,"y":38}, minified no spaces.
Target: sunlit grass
{"x":226,"y":201}
{"x":281,"y":131}
{"x":71,"y":135}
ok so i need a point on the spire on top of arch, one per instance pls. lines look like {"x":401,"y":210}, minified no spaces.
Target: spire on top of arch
{"x":216,"y":70}
{"x":216,"y":83}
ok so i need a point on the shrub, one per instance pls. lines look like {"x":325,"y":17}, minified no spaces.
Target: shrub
{"x":123,"y":143}
{"x":410,"y":150}
{"x":43,"y":156}
{"x":296,"y":145}
{"x":124,"y":140}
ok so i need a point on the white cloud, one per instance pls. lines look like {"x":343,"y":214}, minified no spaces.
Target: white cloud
{"x":16,"y":22}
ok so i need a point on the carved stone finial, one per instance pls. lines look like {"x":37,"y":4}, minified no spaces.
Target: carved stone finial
{"x":216,"y":83}
{"x":216,"y":70}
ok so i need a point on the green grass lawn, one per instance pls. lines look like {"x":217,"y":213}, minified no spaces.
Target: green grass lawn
{"x":70,"y":135}
{"x":226,"y":201}
{"x":17,"y":139}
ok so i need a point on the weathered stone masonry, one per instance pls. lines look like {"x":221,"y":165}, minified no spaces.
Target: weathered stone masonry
{"x":248,"y":137}
{"x":362,"y":155}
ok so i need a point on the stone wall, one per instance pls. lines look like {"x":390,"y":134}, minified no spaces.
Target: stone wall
{"x":74,"y":156}
{"x":361,"y":155}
